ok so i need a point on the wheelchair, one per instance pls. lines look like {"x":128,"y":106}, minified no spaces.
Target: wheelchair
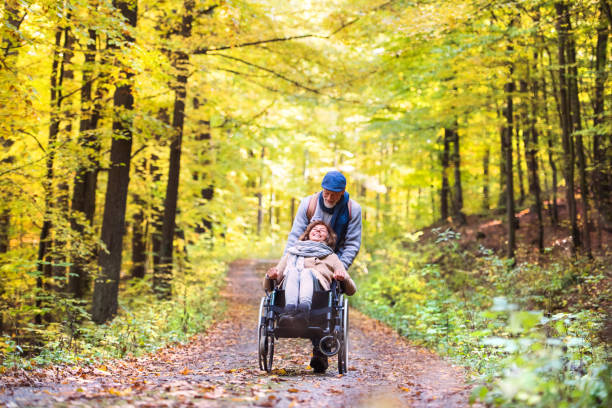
{"x":327,"y":328}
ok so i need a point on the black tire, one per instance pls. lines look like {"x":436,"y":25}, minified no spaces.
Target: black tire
{"x":344,"y":347}
{"x":270,"y":357}
{"x":263,"y":348}
{"x":261,"y":335}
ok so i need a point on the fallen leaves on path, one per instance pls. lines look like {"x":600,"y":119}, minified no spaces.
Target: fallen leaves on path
{"x":219,"y":368}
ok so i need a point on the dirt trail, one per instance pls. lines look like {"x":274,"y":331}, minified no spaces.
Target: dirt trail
{"x":219,"y":369}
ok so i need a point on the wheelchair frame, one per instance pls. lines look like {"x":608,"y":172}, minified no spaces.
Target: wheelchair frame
{"x":332,"y":332}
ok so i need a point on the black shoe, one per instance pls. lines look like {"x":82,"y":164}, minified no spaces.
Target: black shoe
{"x":299,"y":320}
{"x":319,"y":363}
{"x":286,"y":321}
{"x":290,"y":309}
{"x":302,"y":316}
{"x":287,"y":317}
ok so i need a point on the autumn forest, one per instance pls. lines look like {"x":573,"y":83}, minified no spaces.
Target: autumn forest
{"x":152,"y":151}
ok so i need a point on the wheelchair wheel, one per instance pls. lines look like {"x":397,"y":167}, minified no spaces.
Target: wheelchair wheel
{"x":261,"y":334}
{"x":344,"y":348}
{"x":270,"y":354}
{"x":265,"y":338}
{"x":266,"y":349}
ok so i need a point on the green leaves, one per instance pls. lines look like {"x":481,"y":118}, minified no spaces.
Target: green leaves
{"x":523,"y":321}
{"x":518,"y":357}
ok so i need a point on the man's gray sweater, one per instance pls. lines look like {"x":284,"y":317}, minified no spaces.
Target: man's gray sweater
{"x":348,"y":250}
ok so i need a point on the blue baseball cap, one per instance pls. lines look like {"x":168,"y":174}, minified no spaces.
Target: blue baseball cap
{"x":334,"y":181}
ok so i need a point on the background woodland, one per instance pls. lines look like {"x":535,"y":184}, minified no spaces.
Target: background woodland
{"x":144,"y":144}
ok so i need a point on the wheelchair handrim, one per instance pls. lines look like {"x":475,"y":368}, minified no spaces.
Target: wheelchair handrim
{"x":260,"y":326}
{"x":346,"y":334}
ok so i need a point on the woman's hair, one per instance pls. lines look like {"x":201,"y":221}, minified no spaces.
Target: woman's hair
{"x":331,"y":235}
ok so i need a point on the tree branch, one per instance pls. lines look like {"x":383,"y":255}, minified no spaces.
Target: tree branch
{"x":206,"y":50}
{"x":315,"y":91}
{"x":353,"y":21}
{"x":248,"y":44}
{"x":138,"y":151}
{"x":34,"y":137}
{"x":276,"y":74}
{"x":207,"y":11}
{"x":231,"y":71}
{"x":69,"y":94}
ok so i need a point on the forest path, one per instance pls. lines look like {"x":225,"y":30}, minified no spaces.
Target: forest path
{"x":220,"y":369}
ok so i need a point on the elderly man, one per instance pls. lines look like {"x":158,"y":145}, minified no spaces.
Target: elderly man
{"x":333,"y":206}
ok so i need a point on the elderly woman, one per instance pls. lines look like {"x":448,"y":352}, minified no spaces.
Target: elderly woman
{"x":312,"y":257}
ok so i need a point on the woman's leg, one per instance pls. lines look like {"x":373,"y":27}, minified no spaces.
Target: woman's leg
{"x":306,"y":287}
{"x":305,"y":297}
{"x":292,"y":287}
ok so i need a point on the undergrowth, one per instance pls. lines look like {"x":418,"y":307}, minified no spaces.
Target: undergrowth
{"x":143,"y":323}
{"x":528,"y":333}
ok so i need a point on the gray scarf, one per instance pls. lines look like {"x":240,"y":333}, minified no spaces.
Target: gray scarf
{"x":310,"y":249}
{"x":305,"y":249}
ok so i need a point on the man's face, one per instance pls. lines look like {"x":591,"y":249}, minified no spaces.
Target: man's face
{"x":331,"y":198}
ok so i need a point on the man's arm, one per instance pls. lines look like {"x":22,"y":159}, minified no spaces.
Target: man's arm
{"x":300,"y":222}
{"x":352,"y":240}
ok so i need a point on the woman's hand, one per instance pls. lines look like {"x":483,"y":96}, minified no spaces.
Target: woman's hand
{"x":340,"y":275}
{"x":272,"y":273}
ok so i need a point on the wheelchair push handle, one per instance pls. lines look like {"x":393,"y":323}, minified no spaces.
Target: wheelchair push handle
{"x":336,"y":287}
{"x":272,"y":286}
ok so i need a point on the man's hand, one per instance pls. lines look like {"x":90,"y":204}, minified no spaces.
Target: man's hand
{"x":272,"y":273}
{"x":339,"y":275}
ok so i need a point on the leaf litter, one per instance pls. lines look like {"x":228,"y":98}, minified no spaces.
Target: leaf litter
{"x":219,"y":368}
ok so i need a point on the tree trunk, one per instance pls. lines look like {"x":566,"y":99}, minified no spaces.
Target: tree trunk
{"x":44,"y":243}
{"x":9,"y":44}
{"x":377,"y":215}
{"x":566,"y":122}
{"x":207,"y":192}
{"x":387,"y":205}
{"x":163,"y":275}
{"x":292,"y":212}
{"x":486,"y":181}
{"x":507,"y":132}
{"x":530,"y":139}
{"x":444,"y":192}
{"x":260,"y":220}
{"x":10,"y":38}
{"x":5,"y":225}
{"x":602,"y":146}
{"x":67,"y":80}
{"x":553,"y":209}
{"x":519,"y":123}
{"x":139,"y":239}
{"x":457,"y":199}
{"x":156,"y":210}
{"x":106,"y":288}
{"x":86,"y":178}
{"x":577,"y":128}
{"x":503,"y":168}
{"x":259,"y":195}
{"x":271,"y":210}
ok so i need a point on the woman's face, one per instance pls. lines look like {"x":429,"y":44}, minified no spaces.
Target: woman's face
{"x":318,"y":233}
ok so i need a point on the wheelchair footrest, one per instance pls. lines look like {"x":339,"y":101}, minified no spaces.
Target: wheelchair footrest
{"x":298,"y":332}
